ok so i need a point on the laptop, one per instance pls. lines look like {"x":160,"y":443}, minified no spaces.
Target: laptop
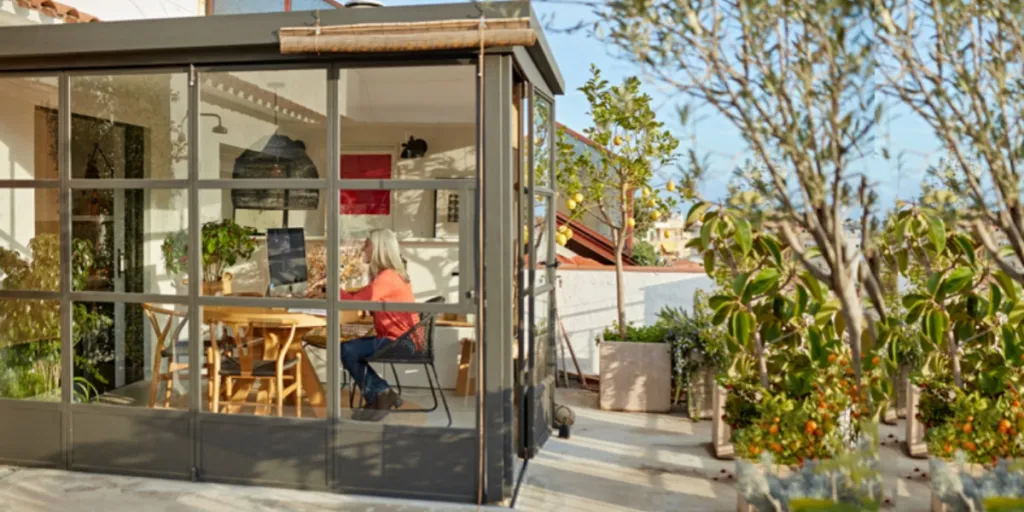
{"x":286,"y":255}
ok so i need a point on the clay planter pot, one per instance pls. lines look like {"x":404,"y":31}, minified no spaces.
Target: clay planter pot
{"x":636,"y":377}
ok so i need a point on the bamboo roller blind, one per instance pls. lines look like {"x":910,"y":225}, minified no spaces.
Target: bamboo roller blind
{"x":408,"y":37}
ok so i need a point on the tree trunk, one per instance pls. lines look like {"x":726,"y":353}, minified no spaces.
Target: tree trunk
{"x":854,"y":314}
{"x":620,"y":291}
{"x":762,"y":362}
{"x":954,"y":359}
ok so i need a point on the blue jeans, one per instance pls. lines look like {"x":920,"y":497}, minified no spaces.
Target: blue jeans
{"x":353,"y":358}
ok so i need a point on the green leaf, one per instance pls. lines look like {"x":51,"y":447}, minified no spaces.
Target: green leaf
{"x":938,"y":323}
{"x":812,"y":285}
{"x":764,"y":281}
{"x":1012,"y":349}
{"x":696,"y":212}
{"x":902,"y":261}
{"x":742,"y":324}
{"x":705,"y":232}
{"x":773,"y":247}
{"x":743,"y":234}
{"x":901,"y":228}
{"x":1009,"y":289}
{"x":966,"y":248}
{"x":720,"y":300}
{"x":995,"y":299}
{"x":937,"y":233}
{"x":912,"y":299}
{"x":709,"y":262}
{"x":801,"y":301}
{"x":957,"y":280}
{"x":1016,"y":314}
{"x":722,"y":313}
{"x":933,"y":283}
{"x":740,"y":283}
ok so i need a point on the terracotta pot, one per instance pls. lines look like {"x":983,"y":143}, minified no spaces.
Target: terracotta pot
{"x":636,"y":377}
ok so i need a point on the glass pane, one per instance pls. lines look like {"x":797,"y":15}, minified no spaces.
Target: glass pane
{"x":129,"y":126}
{"x":29,"y":239}
{"x":541,"y":212}
{"x":28,"y":132}
{"x":247,"y":6}
{"x":542,"y":141}
{"x":545,"y":360}
{"x":130,"y":240}
{"x":251,"y":346}
{"x":264,"y":124}
{"x":256,"y":252}
{"x":448,"y":351}
{"x":133,"y":355}
{"x":30,"y":349}
{"x":388,"y":132}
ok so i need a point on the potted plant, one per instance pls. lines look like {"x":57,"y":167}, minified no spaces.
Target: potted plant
{"x":698,"y":350}
{"x":224,"y":244}
{"x":636,"y":372}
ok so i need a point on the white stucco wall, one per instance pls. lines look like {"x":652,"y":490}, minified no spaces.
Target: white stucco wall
{"x":114,"y":10}
{"x":587,"y":304}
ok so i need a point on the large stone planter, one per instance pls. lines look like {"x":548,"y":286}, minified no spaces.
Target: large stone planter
{"x":916,"y":446}
{"x":700,"y":394}
{"x":721,"y":432}
{"x":636,"y":377}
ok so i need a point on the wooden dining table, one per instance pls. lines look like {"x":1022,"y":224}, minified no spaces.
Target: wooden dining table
{"x":275,"y":326}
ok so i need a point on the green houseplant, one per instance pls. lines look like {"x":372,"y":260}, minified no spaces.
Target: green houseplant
{"x":30,"y":329}
{"x":636,"y":369}
{"x":224,"y":243}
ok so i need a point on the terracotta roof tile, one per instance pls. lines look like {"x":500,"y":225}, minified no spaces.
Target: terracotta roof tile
{"x":57,"y":10}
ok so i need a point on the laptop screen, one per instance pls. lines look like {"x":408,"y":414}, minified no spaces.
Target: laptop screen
{"x":286,"y":252}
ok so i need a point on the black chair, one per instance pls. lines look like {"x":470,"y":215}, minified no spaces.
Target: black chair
{"x":422,"y":330}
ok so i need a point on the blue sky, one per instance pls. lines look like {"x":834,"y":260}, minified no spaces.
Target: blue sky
{"x":712,"y":135}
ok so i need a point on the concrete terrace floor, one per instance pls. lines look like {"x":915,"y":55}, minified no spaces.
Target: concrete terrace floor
{"x":45,"y":490}
{"x":659,"y":462}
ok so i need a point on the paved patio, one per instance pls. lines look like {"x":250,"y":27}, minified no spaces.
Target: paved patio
{"x":39,"y":490}
{"x":613,"y":462}
{"x":655,"y":462}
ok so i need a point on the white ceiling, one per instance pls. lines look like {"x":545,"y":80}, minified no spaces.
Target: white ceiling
{"x":427,"y":94}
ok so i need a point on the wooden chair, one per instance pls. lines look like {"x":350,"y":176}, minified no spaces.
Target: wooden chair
{"x":168,"y":342}
{"x":272,"y":367}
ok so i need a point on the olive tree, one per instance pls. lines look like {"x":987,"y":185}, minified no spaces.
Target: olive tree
{"x":957,"y":66}
{"x":797,"y":80}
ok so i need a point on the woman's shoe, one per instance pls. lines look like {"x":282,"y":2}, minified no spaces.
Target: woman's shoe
{"x":387,"y":400}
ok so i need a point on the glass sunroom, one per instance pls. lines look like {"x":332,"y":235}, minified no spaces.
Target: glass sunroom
{"x":172,"y":192}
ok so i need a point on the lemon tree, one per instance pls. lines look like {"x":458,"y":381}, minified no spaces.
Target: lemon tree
{"x":614,"y":184}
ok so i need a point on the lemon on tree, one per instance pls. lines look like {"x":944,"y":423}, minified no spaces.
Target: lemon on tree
{"x":571,"y":204}
{"x":670,"y":186}
{"x":561,"y":239}
{"x":631,"y":222}
{"x":578,"y":198}
{"x":655,"y":215}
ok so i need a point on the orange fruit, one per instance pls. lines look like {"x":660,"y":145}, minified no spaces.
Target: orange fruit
{"x":948,"y":448}
{"x":1004,"y":426}
{"x":875,"y":360}
{"x":970,"y":446}
{"x":831,"y":358}
{"x":776,"y":420}
{"x":774,"y":429}
{"x":810,"y":427}
{"x":968,"y":428}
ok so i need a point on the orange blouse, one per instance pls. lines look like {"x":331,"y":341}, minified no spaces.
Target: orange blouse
{"x":389,"y":286}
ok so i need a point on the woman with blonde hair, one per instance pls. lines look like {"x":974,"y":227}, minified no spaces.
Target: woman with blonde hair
{"x":389,"y":282}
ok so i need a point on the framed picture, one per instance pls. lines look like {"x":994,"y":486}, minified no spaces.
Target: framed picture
{"x":446,"y":214}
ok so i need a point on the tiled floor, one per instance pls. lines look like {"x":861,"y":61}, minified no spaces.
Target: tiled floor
{"x":463,"y":408}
